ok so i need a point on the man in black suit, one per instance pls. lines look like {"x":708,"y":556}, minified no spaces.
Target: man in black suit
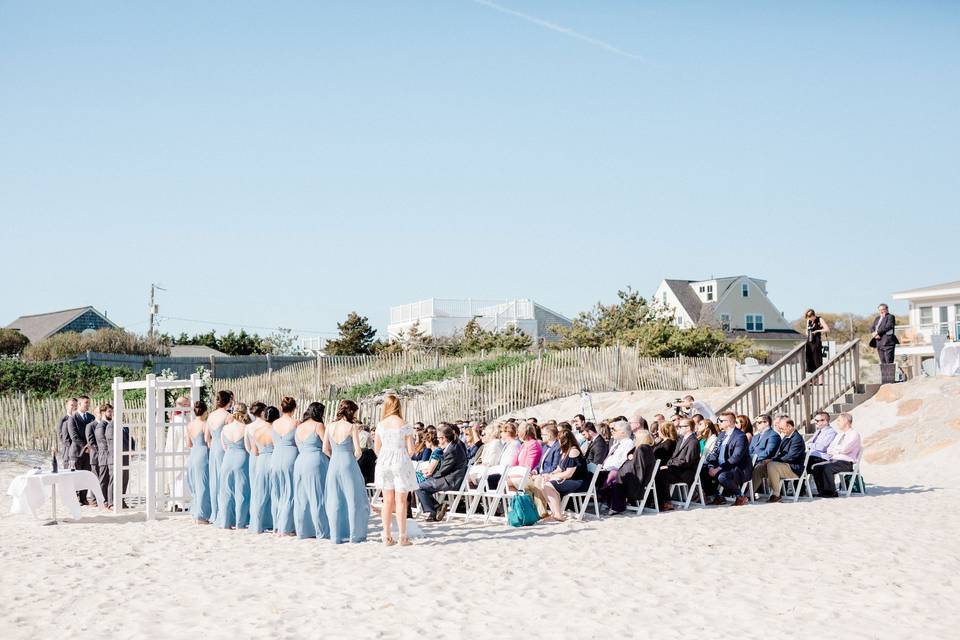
{"x":598,"y":448}
{"x":733,"y":466}
{"x":885,"y":341}
{"x":447,"y":477}
{"x":787,"y":462}
{"x":682,"y":465}
{"x":63,"y":436}
{"x":79,"y":457}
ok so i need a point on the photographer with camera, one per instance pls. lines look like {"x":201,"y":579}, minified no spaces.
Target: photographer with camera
{"x":687,"y":407}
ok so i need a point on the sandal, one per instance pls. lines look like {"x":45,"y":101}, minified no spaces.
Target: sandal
{"x":389,"y":542}
{"x":405,"y":542}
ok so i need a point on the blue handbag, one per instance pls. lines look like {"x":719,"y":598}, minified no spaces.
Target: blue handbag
{"x":523,"y":512}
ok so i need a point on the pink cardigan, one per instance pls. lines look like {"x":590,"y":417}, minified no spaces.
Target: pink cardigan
{"x":529,"y":453}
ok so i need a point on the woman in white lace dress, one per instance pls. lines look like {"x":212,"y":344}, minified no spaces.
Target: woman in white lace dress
{"x":394,"y":474}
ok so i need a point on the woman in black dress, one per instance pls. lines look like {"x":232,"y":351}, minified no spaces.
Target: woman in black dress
{"x":816,"y":327}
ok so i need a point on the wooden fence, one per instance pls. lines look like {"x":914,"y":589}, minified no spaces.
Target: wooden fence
{"x":552,"y":375}
{"x":30,"y":424}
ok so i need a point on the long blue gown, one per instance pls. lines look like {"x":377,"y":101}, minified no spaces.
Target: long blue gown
{"x":309,"y":479}
{"x":216,"y":463}
{"x":282,"y":480}
{"x":345,"y":498}
{"x":198,"y":478}
{"x":233,"y":505}
{"x":261,"y":510}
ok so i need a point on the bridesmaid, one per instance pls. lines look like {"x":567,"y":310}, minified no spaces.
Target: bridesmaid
{"x":281,"y":467}
{"x":256,"y":412}
{"x":261,"y":506}
{"x":233,"y":505}
{"x":198,"y":470}
{"x":309,"y":476}
{"x":345,"y":498}
{"x":215,"y":424}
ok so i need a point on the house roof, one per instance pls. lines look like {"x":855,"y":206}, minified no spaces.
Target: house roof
{"x":945,"y":287}
{"x":41,"y":325}
{"x":687,"y":297}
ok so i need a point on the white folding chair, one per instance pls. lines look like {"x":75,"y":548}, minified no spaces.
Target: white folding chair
{"x":848,"y":479}
{"x":581,"y":500}
{"x":687,"y":491}
{"x":518,"y":475}
{"x":651,"y":487}
{"x":790,"y":487}
{"x":453,"y":498}
{"x":489,"y":497}
{"x":373,"y":493}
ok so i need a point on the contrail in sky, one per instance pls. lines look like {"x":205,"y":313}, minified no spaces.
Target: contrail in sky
{"x":559,"y":29}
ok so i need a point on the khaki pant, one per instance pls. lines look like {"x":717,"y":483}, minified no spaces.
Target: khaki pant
{"x":534,"y":489}
{"x":777,"y":471}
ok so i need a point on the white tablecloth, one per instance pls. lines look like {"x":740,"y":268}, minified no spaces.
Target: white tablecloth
{"x":950,"y":359}
{"x":29,"y":491}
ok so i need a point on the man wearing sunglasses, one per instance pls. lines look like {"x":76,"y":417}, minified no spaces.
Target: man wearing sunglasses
{"x":733,"y":463}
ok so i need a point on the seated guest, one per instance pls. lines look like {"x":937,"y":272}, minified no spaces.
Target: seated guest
{"x":447,"y":477}
{"x":368,"y":458}
{"x":744,"y":424}
{"x":421,"y":452}
{"x":638,"y":423}
{"x":682,"y":465}
{"x":551,"y":449}
{"x":707,"y":436}
{"x":711,"y":451}
{"x":509,"y":453}
{"x":842,"y":453}
{"x":733,"y":466}
{"x":632,"y":478}
{"x":621,"y":446}
{"x":597,"y":447}
{"x":570,"y":476}
{"x":663,"y":450}
{"x":432,"y":444}
{"x":529,"y":453}
{"x":787,"y":462}
{"x":474,"y":441}
{"x":492,"y":446}
{"x":821,"y":439}
{"x":765,"y":442}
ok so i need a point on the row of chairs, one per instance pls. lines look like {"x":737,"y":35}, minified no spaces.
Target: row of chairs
{"x":474,"y":490}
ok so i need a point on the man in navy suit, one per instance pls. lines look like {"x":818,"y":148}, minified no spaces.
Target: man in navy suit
{"x":787,"y":462}
{"x":765,"y":441}
{"x":733,"y":464}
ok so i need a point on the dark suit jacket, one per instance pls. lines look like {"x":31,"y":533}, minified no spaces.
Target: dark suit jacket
{"x":453,"y":466}
{"x":64,"y":437}
{"x":77,"y":432}
{"x":765,"y":445}
{"x":635,"y":474}
{"x":737,"y":456}
{"x":713,"y":456}
{"x":792,"y":451}
{"x":685,"y":459}
{"x":597,"y":451}
{"x":663,"y":450}
{"x":551,"y":457}
{"x":884,"y":327}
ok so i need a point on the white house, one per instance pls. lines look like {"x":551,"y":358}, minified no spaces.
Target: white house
{"x":738,"y":305}
{"x":443,"y":317}
{"x":933,"y":310}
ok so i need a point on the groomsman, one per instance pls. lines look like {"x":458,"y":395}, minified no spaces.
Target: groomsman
{"x":63,"y":436}
{"x":79,"y":457}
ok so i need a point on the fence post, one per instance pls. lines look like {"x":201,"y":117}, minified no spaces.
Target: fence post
{"x":213,"y":367}
{"x":88,"y":356}
{"x":269,"y":368}
{"x":23,"y":418}
{"x":617,"y":386}
{"x":151,"y":410}
{"x":316,"y":380}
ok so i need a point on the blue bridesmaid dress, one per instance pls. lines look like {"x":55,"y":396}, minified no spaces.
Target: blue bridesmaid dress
{"x":345,"y":498}
{"x":216,"y":464}
{"x":282,"y":481}
{"x":309,"y":479}
{"x":233,"y":505}
{"x":198,"y":478}
{"x":261,"y":511}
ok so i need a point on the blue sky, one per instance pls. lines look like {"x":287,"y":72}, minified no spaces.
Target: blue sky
{"x":283,"y":163}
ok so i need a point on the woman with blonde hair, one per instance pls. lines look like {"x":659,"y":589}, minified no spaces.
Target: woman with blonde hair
{"x":394,"y":475}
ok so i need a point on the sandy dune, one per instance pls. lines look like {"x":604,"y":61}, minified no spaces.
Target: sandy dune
{"x":761,"y":571}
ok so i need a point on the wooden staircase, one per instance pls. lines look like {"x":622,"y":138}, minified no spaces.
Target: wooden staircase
{"x":786,"y":388}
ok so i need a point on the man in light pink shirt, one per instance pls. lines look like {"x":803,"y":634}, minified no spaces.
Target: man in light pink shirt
{"x":841,"y":455}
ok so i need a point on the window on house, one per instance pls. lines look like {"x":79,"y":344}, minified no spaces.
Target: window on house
{"x":943,"y":325}
{"x":745,"y":289}
{"x":926,"y":316}
{"x":725,"y":321}
{"x":709,"y":292}
{"x":664,"y":298}
{"x":754,"y":322}
{"x":702,"y":289}
{"x":956,"y":317}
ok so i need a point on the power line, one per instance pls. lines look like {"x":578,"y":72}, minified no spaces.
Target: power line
{"x":247,"y":326}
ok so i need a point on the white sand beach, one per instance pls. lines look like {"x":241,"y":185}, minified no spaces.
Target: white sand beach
{"x":880,"y":566}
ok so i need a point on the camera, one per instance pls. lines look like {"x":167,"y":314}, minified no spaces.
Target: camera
{"x":675,"y":405}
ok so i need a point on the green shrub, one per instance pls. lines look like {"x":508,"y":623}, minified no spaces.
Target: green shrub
{"x":67,"y":345}
{"x":12,"y":342}
{"x":61,"y":380}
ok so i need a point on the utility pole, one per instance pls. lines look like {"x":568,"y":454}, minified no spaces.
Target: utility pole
{"x":154,"y":308}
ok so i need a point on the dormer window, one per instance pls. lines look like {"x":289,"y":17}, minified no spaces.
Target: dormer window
{"x":745,"y":290}
{"x":709,"y":292}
